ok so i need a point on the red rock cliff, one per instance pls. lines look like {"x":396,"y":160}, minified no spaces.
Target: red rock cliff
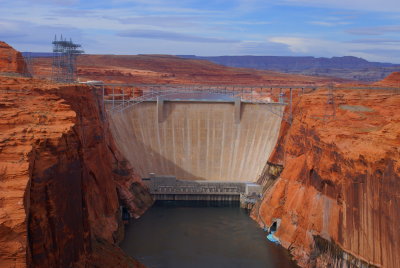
{"x":392,"y":80}
{"x":11,"y":61}
{"x":338,"y":194}
{"x":62,"y":179}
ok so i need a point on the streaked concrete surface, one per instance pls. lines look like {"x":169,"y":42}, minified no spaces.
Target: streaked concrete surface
{"x":197,"y":140}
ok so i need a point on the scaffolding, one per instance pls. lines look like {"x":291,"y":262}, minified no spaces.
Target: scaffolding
{"x":27,"y":63}
{"x":64,"y":60}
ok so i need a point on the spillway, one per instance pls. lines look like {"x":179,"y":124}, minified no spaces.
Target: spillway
{"x":198,"y":140}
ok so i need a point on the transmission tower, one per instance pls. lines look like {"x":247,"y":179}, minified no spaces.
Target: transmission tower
{"x":64,"y":60}
{"x":330,"y":110}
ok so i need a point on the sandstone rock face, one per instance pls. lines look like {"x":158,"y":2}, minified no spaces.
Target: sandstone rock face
{"x":11,"y":61}
{"x":62,"y":179}
{"x":338,"y":194}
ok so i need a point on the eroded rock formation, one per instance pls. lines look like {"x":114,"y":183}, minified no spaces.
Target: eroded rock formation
{"x":392,"y":80}
{"x":337,"y":196}
{"x":62,"y":181}
{"x":11,"y":61}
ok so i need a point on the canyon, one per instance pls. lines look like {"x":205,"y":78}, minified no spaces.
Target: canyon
{"x":331,"y":180}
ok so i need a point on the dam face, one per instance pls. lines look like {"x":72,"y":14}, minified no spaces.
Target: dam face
{"x":214,"y":141}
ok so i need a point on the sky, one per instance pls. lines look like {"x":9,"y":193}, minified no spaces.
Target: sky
{"x":369,"y":29}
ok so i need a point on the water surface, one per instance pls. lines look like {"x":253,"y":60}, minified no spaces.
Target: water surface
{"x":201,"y":237}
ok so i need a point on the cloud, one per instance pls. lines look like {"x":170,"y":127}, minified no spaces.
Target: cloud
{"x":247,"y":6}
{"x":296,"y":44}
{"x":172,"y":36}
{"x":380,"y":55}
{"x":329,"y":23}
{"x":379,"y":30}
{"x":165,"y":21}
{"x":302,"y":46}
{"x":45,"y":2}
{"x":72,"y":12}
{"x":376,"y":41}
{"x":391,"y":6}
{"x":162,"y":7}
{"x":31,"y":36}
{"x":261,"y":48}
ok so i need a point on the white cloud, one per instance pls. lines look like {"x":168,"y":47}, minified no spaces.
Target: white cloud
{"x":329,"y":23}
{"x":296,"y":44}
{"x":379,"y":30}
{"x":260,"y":48}
{"x":173,"y":36}
{"x":45,"y":2}
{"x":377,"y":51}
{"x":366,"y":5}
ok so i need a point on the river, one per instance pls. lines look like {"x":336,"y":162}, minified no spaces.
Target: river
{"x":191,"y":237}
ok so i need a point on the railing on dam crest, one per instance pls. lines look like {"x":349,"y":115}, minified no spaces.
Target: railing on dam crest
{"x":119,"y":97}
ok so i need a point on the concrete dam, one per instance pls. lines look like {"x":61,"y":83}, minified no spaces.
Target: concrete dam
{"x":209,"y":139}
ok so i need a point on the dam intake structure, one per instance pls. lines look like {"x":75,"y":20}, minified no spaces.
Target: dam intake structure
{"x":168,"y":188}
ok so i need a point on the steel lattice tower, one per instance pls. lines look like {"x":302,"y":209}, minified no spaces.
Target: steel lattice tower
{"x":330,"y":110}
{"x":64,"y":60}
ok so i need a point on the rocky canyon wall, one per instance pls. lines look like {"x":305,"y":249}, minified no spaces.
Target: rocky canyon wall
{"x":62,"y":180}
{"x":336,"y":180}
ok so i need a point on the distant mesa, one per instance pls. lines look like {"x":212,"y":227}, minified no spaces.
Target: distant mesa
{"x":346,"y":67}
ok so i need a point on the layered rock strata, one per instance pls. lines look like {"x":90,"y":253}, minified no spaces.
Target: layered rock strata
{"x":11,"y":61}
{"x":336,"y":199}
{"x":62,"y":179}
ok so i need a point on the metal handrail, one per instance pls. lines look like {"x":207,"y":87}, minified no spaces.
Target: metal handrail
{"x":154,"y":94}
{"x":246,"y":93}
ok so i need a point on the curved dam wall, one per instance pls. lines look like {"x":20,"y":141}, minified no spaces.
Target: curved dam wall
{"x":198,"y":140}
